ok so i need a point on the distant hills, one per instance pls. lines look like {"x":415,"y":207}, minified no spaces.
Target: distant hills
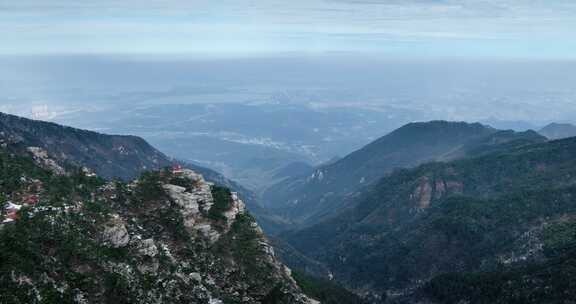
{"x":168,"y":236}
{"x":158,"y":232}
{"x":558,"y":130}
{"x":109,"y":156}
{"x":247,"y":142}
{"x":494,"y":224}
{"x":306,"y":198}
{"x":433,"y":212}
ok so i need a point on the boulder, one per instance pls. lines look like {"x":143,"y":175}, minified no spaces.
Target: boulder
{"x":115,"y":233}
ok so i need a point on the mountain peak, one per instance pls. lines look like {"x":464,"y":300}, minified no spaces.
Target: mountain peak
{"x":445,"y":124}
{"x":325,"y":191}
{"x":471,"y":226}
{"x":433,"y":131}
{"x":558,"y":130}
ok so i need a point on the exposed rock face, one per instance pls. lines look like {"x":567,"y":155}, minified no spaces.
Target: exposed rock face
{"x":115,"y":232}
{"x":58,"y":147}
{"x":195,"y":203}
{"x":198,"y":201}
{"x":507,"y":216}
{"x":186,"y":200}
{"x":423,"y":193}
{"x":148,"y":248}
{"x":429,"y":189}
{"x":238,"y":207}
{"x":440,"y":189}
{"x":43,"y":160}
{"x":166,"y":238}
{"x":308,"y":199}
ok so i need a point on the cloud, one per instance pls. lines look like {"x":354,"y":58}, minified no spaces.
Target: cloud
{"x":274,"y":25}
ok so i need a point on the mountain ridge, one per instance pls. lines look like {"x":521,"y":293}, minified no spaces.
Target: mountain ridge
{"x":109,"y":156}
{"x":306,"y":199}
{"x":558,"y":130}
{"x":168,"y":236}
{"x":476,"y":215}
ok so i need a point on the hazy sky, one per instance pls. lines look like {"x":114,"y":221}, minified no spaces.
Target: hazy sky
{"x":413,"y":28}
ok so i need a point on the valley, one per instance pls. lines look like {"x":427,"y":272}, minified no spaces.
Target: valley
{"x":287,"y":152}
{"x":423,"y":213}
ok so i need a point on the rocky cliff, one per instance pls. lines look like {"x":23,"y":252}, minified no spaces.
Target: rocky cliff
{"x":59,"y":148}
{"x":167,"y":237}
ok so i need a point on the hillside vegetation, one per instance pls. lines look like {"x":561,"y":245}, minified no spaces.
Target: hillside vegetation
{"x":459,"y":231}
{"x":167,"y":237}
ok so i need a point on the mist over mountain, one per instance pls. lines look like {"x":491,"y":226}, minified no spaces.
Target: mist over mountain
{"x":289,"y":109}
{"x":473,"y":200}
{"x":558,"y":131}
{"x":247,"y":142}
{"x":309,"y":156}
{"x":287,"y":152}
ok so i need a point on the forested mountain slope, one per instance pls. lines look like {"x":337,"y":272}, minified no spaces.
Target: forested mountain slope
{"x":167,"y":237}
{"x":57,"y":147}
{"x":328,"y":190}
{"x":491,"y":220}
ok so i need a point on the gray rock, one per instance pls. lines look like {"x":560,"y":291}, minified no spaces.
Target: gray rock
{"x":115,"y":233}
{"x":196,"y":277}
{"x":42,"y":159}
{"x":148,"y":248}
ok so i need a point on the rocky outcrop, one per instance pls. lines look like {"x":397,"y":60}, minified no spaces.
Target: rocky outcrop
{"x":238,"y":207}
{"x":305,"y":200}
{"x":115,"y":233}
{"x":507,"y":216}
{"x":429,"y":189}
{"x":148,"y":248}
{"x":197,"y":201}
{"x":109,"y":156}
{"x":43,"y":160}
{"x":188,"y":201}
{"x":423,"y":193}
{"x":169,"y":237}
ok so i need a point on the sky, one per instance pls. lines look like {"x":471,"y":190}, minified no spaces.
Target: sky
{"x":544,"y":29}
